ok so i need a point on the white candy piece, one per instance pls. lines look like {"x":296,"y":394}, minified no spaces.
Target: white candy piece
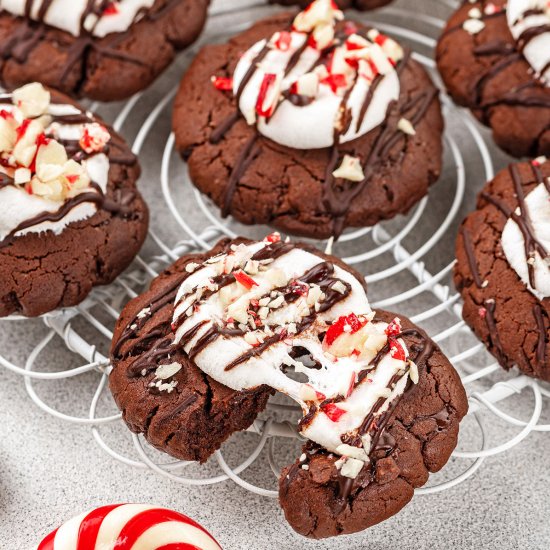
{"x":473,"y":26}
{"x":32,"y":100}
{"x":350,"y":169}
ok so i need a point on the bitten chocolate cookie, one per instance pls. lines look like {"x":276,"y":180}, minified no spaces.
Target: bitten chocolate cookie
{"x":503,"y":267}
{"x":101,"y":50}
{"x":310,"y":124}
{"x":197,"y":356}
{"x":494,"y":58}
{"x":362,"y":5}
{"x":71,"y":216}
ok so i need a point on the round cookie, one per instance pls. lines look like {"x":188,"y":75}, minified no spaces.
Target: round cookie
{"x":387,"y":134}
{"x":417,"y":436}
{"x":361,"y":5}
{"x":237,"y":319}
{"x":130,"y":526}
{"x":72,"y":217}
{"x":493,"y":72}
{"x":105,"y":51}
{"x":506,"y":297}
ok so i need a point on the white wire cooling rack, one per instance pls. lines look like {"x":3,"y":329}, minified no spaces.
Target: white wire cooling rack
{"x":407,"y":263}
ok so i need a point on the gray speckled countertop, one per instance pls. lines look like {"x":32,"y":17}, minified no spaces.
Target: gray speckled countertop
{"x":51,"y":470}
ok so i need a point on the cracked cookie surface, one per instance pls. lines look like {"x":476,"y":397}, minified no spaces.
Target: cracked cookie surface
{"x":106,"y":69}
{"x":44,"y":271}
{"x":512,"y":322}
{"x":419,"y":436}
{"x":282,"y":186}
{"x":486,"y":73}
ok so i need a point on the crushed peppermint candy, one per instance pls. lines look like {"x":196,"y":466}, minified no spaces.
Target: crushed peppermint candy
{"x":473,"y":26}
{"x":32,"y":155}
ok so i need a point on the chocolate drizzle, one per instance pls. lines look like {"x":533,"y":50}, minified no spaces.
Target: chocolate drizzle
{"x":321,"y":275}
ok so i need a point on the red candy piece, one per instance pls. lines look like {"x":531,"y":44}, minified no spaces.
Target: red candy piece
{"x":337,"y":328}
{"x":394,"y":328}
{"x":222,"y":83}
{"x":243,"y":279}
{"x":283,"y":41}
{"x":42,"y":140}
{"x":111,"y":9}
{"x":333,"y":412}
{"x":273,"y":238}
{"x":22,"y":129}
{"x":267,"y":83}
{"x":297,"y":287}
{"x":352,"y":383}
{"x":396,"y":351}
{"x":335,"y":81}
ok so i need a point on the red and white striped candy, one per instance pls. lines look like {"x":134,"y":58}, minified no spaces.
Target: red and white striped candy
{"x":130,"y":527}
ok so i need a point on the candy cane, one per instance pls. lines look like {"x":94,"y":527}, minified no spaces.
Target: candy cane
{"x":130,"y":527}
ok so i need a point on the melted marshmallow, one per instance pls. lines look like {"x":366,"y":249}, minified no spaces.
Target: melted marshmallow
{"x":166,"y":528}
{"x":66,"y":15}
{"x":332,"y":379}
{"x":538,"y":208}
{"x":18,"y":206}
{"x":537,"y":50}
{"x":310,"y":126}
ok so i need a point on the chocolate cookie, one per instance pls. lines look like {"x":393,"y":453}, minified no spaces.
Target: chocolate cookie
{"x":495,"y":60}
{"x":381,"y":402}
{"x":350,"y":136}
{"x":101,"y":50}
{"x":415,"y":436}
{"x":71,"y":215}
{"x":502,"y":269}
{"x":361,"y":5}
